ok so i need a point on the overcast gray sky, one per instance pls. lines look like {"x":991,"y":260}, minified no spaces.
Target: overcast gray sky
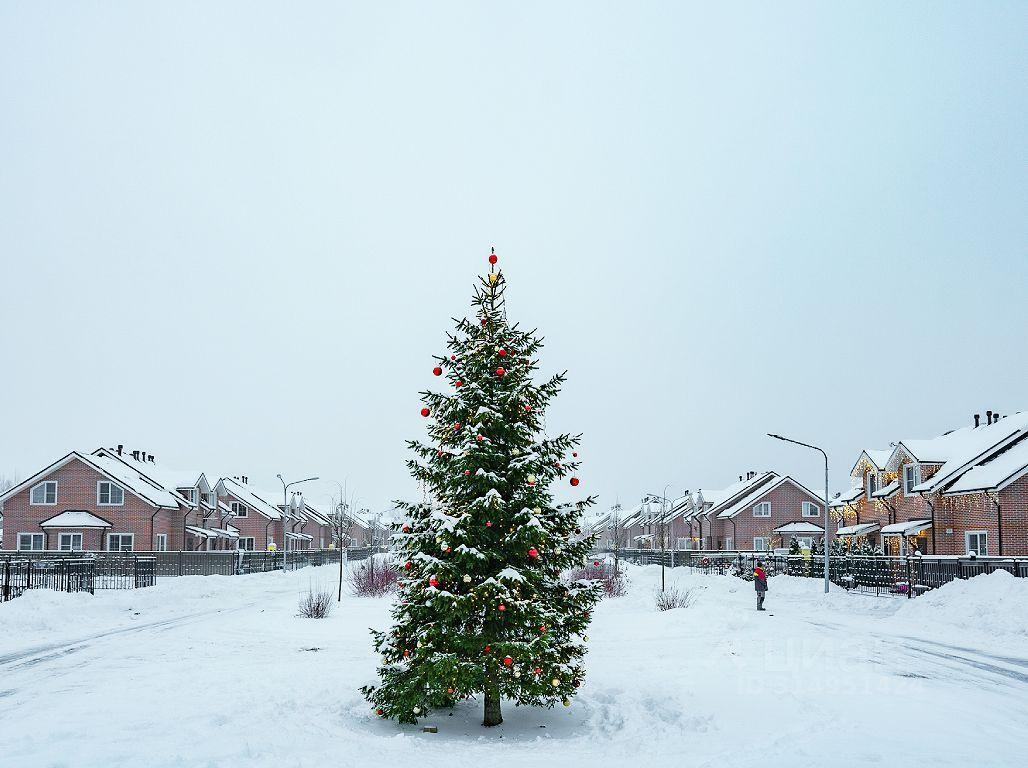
{"x":233,"y":234}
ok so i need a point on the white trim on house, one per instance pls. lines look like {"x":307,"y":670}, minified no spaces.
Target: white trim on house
{"x":239,"y":509}
{"x":913,"y":480}
{"x":31,"y":547}
{"x":759,"y":509}
{"x":44,"y":502}
{"x":761,"y":543}
{"x":121,"y":543}
{"x":111,"y":487}
{"x":808,"y":505}
{"x":160,"y":543}
{"x":71,"y":546}
{"x":981,"y":537}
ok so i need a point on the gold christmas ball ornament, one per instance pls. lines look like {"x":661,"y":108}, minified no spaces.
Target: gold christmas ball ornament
{"x":537,"y":511}
{"x":531,"y":479}
{"x":517,"y":673}
{"x":555,"y":682}
{"x":493,"y":277}
{"x":567,"y":703}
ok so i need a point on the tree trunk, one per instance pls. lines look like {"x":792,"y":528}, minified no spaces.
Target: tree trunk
{"x":492,"y":699}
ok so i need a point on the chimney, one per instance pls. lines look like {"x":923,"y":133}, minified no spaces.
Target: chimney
{"x":151,"y":458}
{"x":988,"y":417}
{"x":977,"y":419}
{"x":135,"y":455}
{"x":740,"y":478}
{"x":120,"y":448}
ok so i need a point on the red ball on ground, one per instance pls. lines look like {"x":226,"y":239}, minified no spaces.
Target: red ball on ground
{"x":437,"y":371}
{"x":575,"y":481}
{"x":425,"y":411}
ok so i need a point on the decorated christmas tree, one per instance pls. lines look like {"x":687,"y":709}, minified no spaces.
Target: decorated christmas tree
{"x":484,"y":605}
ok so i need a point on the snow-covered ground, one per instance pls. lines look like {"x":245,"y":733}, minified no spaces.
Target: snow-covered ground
{"x":220,"y":671}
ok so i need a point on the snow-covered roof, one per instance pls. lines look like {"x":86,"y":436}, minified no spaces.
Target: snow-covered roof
{"x":799,"y":527}
{"x":749,"y":499}
{"x":960,"y":449}
{"x":75,"y":518}
{"x":167,"y":477}
{"x":133,"y":479}
{"x":847,"y":497}
{"x":242,"y":492}
{"x":887,"y":490}
{"x":903,"y":529}
{"x":716,"y":497}
{"x":996,"y":472}
{"x":225,"y":533}
{"x":857,"y":530}
{"x":203,"y":533}
{"x":877,"y":457}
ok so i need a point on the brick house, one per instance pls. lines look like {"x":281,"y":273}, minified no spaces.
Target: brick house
{"x":93,"y":502}
{"x":771,"y":514}
{"x":916,"y":496}
{"x":705,"y":530}
{"x":258,"y":522}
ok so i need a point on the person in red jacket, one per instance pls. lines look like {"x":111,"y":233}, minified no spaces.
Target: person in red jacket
{"x":760,"y":584}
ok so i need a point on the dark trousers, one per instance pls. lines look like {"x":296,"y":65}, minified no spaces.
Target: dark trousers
{"x":760,"y":599}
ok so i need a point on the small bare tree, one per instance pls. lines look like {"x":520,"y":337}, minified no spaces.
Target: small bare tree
{"x":342,"y":521}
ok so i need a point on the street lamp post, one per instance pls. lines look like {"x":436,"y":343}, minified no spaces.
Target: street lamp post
{"x":285,"y":506}
{"x":663,"y":523}
{"x":828,"y":527}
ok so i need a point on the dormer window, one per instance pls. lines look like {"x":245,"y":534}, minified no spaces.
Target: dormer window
{"x":44,"y":493}
{"x":189,"y":494}
{"x":911,"y":478}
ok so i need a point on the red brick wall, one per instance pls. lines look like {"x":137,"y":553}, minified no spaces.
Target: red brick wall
{"x":786,"y":506}
{"x":76,"y":489}
{"x":1013,"y":501}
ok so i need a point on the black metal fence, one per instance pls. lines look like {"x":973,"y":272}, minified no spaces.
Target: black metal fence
{"x":879,"y":575}
{"x":89,"y":571}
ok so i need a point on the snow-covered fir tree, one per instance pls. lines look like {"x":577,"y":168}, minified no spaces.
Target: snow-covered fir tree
{"x":483,"y":606}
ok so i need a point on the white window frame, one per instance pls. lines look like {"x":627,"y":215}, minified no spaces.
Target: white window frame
{"x":979,"y":536}
{"x":239,"y":509}
{"x":761,"y":506}
{"x":111,"y":486}
{"x":71,"y":547}
{"x":915,"y":480}
{"x":242,"y":540}
{"x":121,"y":537}
{"x":761,"y":543}
{"x":805,"y":542}
{"x":160,"y":543}
{"x":682,"y":543}
{"x":189,"y":494}
{"x":729,"y":543}
{"x":30,"y":548}
{"x":44,"y":502}
{"x":808,"y":505}
{"x":871,"y":484}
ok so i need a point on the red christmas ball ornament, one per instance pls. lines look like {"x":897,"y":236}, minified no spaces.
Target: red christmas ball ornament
{"x":483,"y":321}
{"x":488,"y":648}
{"x":501,"y":352}
{"x":533,"y":552}
{"x":542,"y":627}
{"x":437,"y":371}
{"x":467,"y":471}
{"x":528,"y":407}
{"x":379,"y":712}
{"x":574,"y":454}
{"x":500,"y":371}
{"x":488,"y":523}
{"x":479,"y":438}
{"x":438,"y":453}
{"x":574,"y":481}
{"x":433,"y":582}
{"x":507,"y":661}
{"x":596,"y":563}
{"x":458,"y":383}
{"x":453,"y":357}
{"x":501,"y":607}
{"x":406,"y":653}
{"x":492,"y":258}
{"x":456,"y":425}
{"x":449,"y":690}
{"x":538,"y":670}
{"x":425,"y":412}
{"x":406,"y":529}
{"x":408,"y":565}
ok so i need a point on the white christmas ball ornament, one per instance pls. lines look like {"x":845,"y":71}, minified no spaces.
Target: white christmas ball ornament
{"x":537,"y":511}
{"x":467,"y":579}
{"x":417,"y":710}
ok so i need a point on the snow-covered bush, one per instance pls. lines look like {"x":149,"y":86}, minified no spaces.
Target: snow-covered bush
{"x":372,"y":578}
{"x":673,"y":598}
{"x":316,"y":605}
{"x":614,"y":580}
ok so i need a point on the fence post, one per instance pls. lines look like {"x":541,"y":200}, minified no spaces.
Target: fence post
{"x":910,"y":581}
